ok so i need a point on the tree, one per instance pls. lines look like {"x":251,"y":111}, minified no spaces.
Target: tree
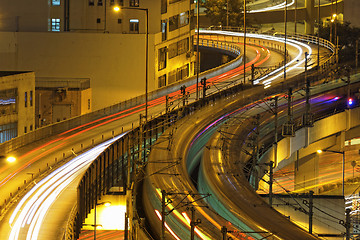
{"x":347,"y":39}
{"x":218,"y":11}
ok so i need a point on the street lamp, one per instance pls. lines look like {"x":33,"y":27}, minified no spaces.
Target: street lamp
{"x":117,"y":9}
{"x":106,"y":204}
{"x":343,"y":165}
{"x":11,"y":159}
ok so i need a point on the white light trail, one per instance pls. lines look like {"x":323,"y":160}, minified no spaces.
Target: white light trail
{"x":33,"y":207}
{"x":295,"y":63}
{"x":276,"y":7}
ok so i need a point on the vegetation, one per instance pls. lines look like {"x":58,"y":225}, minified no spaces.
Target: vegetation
{"x":221,"y":11}
{"x":347,"y":40}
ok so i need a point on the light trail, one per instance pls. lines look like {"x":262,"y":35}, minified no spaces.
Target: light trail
{"x":295,"y":63}
{"x":276,"y":7}
{"x":32,"y":209}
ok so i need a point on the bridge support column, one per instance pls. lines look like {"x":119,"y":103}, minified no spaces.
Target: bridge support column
{"x":310,"y":16}
{"x":306,"y":173}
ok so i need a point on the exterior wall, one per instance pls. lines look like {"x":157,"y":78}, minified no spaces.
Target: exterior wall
{"x":323,"y":207}
{"x":351,"y":12}
{"x":54,"y":105}
{"x":114,"y":63}
{"x":107,"y":53}
{"x":24,"y":115}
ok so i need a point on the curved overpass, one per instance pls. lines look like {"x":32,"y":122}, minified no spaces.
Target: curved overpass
{"x":79,"y":138}
{"x":83,"y":133}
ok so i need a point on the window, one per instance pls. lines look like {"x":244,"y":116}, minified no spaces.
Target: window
{"x":25,"y":129}
{"x":172,"y":77}
{"x":183,"y":19}
{"x":183,"y":46}
{"x":25,"y":99}
{"x":31,"y":98}
{"x":119,"y":20}
{"x":8,"y":101}
{"x":162,"y":81}
{"x":8,"y":131}
{"x":89,"y":104}
{"x":173,"y":23}
{"x":173,"y":50}
{"x":178,"y":48}
{"x":91,"y":2}
{"x":55,"y":24}
{"x":134,"y":25}
{"x":100,"y":2}
{"x":98,"y":20}
{"x":164,"y":29}
{"x":31,"y":127}
{"x":121,"y":2}
{"x":162,"y":58}
{"x":163,"y":6}
{"x":134,"y":3}
{"x":56,"y":2}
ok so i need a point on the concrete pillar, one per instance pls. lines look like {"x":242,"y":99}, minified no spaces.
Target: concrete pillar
{"x":310,"y":16}
{"x":307,"y":173}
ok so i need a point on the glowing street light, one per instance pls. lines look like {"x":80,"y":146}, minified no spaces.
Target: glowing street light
{"x":116,"y":8}
{"x":11,"y":159}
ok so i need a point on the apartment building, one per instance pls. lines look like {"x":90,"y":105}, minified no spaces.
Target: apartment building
{"x":17,"y":104}
{"x":89,"y":39}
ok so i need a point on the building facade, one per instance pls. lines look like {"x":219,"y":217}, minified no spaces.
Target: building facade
{"x":89,"y":39}
{"x":60,"y":99}
{"x":17,"y":104}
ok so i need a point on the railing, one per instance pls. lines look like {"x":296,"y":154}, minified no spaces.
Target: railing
{"x":115,"y":166}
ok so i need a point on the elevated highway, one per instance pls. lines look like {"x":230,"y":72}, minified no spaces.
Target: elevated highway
{"x":116,"y":120}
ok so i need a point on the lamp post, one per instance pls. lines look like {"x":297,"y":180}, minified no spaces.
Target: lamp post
{"x":244,"y":59}
{"x":116,"y":9}
{"x":343,"y":166}
{"x":197,"y":48}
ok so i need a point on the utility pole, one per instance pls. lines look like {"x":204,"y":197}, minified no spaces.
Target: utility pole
{"x":224,"y":233}
{"x":252,"y":73}
{"x":271,"y":181}
{"x":288,"y":127}
{"x":347,"y":224}
{"x":285,"y":48}
{"x":163,"y":206}
{"x":295,"y":16}
{"x":276,"y":129}
{"x":204,"y":87}
{"x":183,"y":92}
{"x":197,"y":48}
{"x":311,"y":213}
{"x":244,"y":59}
{"x":318,"y":41}
{"x":193,"y":223}
{"x":356,"y":55}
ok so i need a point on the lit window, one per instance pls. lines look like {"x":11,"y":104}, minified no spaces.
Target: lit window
{"x":25,"y":99}
{"x":134,"y":3}
{"x":134,"y":25}
{"x":56,"y":2}
{"x":55,"y":24}
{"x":31,"y":98}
